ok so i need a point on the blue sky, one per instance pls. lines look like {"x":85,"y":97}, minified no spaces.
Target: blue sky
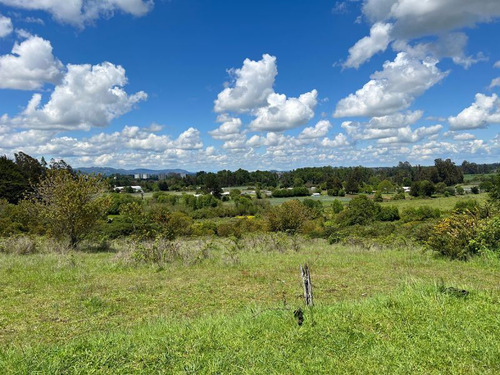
{"x":209,"y":85}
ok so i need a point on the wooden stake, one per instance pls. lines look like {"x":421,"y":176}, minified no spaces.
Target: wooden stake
{"x":306,"y":280}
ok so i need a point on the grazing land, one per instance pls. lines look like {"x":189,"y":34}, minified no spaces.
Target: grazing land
{"x":378,"y":309}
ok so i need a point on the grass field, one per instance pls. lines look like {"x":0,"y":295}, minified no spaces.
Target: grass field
{"x":377,"y":311}
{"x":443,"y":203}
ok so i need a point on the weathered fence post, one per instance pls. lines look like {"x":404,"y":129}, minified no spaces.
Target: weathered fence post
{"x":306,"y":280}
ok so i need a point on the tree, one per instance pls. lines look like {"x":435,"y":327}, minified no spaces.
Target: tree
{"x":13,"y":183}
{"x":68,"y":205}
{"x":386,"y":186}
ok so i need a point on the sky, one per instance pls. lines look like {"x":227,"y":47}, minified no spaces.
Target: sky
{"x":253,"y":84}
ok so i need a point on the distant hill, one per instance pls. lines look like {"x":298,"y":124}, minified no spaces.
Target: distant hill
{"x":106,"y":171}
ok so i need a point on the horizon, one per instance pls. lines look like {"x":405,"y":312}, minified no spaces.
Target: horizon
{"x":203,"y":85}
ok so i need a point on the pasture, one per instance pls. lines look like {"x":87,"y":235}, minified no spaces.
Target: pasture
{"x":218,"y":308}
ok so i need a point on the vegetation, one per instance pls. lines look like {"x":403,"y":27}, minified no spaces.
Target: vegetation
{"x":106,"y":282}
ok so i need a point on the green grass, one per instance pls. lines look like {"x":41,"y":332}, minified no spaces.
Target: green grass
{"x":325,"y":199}
{"x":477,"y":177}
{"x":443,"y":203}
{"x":377,"y":311}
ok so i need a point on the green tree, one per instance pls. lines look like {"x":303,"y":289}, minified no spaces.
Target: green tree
{"x":13,"y":183}
{"x":68,"y":205}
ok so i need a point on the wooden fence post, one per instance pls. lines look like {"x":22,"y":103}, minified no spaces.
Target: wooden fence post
{"x":306,"y":280}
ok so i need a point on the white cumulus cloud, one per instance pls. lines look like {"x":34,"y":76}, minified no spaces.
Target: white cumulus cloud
{"x":284,"y":113}
{"x":30,"y":65}
{"x":88,"y":96}
{"x":392,"y":89}
{"x":253,"y":83}
{"x":368,"y":46}
{"x":484,"y":111}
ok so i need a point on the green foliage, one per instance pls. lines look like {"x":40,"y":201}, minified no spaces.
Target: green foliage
{"x":288,"y":217}
{"x":454,"y":236}
{"x":360,"y":210}
{"x":420,"y":213}
{"x":292,"y":192}
{"x":422,"y":189}
{"x":488,"y":237}
{"x":388,"y":213}
{"x":386,"y":186}
{"x":68,"y":206}
{"x":399,"y":196}
{"x":337,"y":206}
{"x":460,"y":190}
{"x":13,"y":183}
{"x":314,"y":205}
{"x":119,"y":199}
{"x":378,"y":197}
{"x":474,"y":190}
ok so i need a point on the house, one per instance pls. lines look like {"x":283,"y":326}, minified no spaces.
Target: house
{"x":406,"y":189}
{"x":315,"y":195}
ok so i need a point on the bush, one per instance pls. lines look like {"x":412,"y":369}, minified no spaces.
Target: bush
{"x":399,"y":196}
{"x":378,"y":197}
{"x":420,"y":214}
{"x":117,"y":200}
{"x":460,"y":190}
{"x":360,"y":210}
{"x":453,"y":237}
{"x":488,"y":238}
{"x":288,"y":217}
{"x":337,"y":206}
{"x":388,"y":213}
{"x":474,"y":190}
{"x":467,"y":205}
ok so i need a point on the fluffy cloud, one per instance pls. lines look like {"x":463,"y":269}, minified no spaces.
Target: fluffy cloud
{"x":395,"y":120}
{"x":368,"y":46}
{"x":415,"y":18}
{"x":484,"y":111}
{"x":252,"y":92}
{"x":5,"y":26}
{"x":229,"y":129}
{"x":253,"y":83}
{"x":449,"y":45}
{"x":88,"y":96}
{"x":319,"y":130}
{"x":392,"y":89}
{"x":340,"y":140}
{"x":404,"y":20}
{"x":497,"y":64}
{"x":30,"y":65}
{"x":282,"y":113}
{"x":80,"y":12}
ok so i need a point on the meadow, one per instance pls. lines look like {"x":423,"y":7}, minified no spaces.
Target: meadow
{"x":217,"y":308}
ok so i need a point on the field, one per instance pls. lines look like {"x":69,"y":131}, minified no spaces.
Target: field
{"x":443,"y":203}
{"x":378,"y":310}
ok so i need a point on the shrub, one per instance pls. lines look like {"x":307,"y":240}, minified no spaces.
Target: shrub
{"x":360,"y":210}
{"x":467,"y":205}
{"x":460,"y":190}
{"x":399,"y":196}
{"x":341,"y":193}
{"x":420,"y":213}
{"x":474,"y":190}
{"x":288,"y":217}
{"x":488,"y":237}
{"x":117,"y":200}
{"x":388,"y":213}
{"x":453,"y":237}
{"x":314,"y":205}
{"x":337,"y":206}
{"x":378,"y":197}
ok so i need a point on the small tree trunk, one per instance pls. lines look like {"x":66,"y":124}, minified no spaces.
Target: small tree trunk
{"x":306,"y":280}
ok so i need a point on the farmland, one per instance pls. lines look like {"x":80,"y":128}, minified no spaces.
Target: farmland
{"x":84,"y":311}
